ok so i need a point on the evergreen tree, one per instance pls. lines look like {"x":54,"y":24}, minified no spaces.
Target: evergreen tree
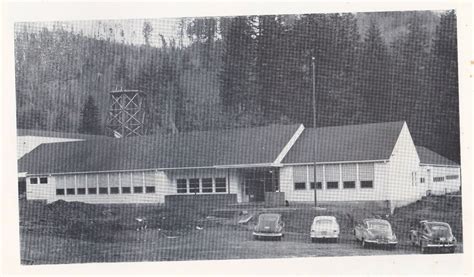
{"x":90,"y":123}
{"x":445,"y":86}
{"x":374,"y":82}
{"x":238,"y":65}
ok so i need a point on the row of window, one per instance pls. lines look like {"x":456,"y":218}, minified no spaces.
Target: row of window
{"x":204,"y":185}
{"x":42,"y":180}
{"x":442,"y":178}
{"x":335,"y":185}
{"x":112,"y":190}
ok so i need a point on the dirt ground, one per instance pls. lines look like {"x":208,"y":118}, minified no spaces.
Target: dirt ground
{"x":71,"y":232}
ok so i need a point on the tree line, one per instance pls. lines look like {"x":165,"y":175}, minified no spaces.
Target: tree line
{"x":251,"y":71}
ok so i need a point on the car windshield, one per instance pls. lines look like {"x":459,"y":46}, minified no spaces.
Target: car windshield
{"x":268,"y":218}
{"x":440,"y":230}
{"x":382,"y":226}
{"x":324,"y":222}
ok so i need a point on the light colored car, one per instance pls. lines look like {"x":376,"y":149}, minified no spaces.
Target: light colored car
{"x":375,"y":232}
{"x":430,"y":235}
{"x":324,"y":227}
{"x":269,"y":226}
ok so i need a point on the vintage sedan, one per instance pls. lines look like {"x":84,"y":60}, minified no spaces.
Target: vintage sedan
{"x":431,"y":235}
{"x":375,"y":232}
{"x":269,"y":226}
{"x":324,"y":227}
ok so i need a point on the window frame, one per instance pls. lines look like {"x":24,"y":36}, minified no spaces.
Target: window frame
{"x":352,"y":184}
{"x":138,"y":189}
{"x":181,"y":190}
{"x":299,"y":186}
{"x":318,"y":184}
{"x":81,"y":191}
{"x":332,"y":183}
{"x":41,"y":180}
{"x":68,"y":191}
{"x":150,"y":189}
{"x":114,"y":190}
{"x":128,"y":190}
{"x":35,"y":182}
{"x":218,"y":185}
{"x":101,"y":190}
{"x":192,"y":185}
{"x":92,"y":189}
{"x":63,"y":192}
{"x":207,"y":189}
{"x":362,"y":186}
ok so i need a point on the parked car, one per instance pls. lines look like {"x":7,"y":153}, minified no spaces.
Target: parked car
{"x":431,"y":235}
{"x":269,"y":226}
{"x":324,"y":227}
{"x":375,"y":232}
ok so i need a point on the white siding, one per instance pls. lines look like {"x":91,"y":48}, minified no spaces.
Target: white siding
{"x":451,"y":179}
{"x":41,"y":191}
{"x":378,"y":174}
{"x":404,"y":162}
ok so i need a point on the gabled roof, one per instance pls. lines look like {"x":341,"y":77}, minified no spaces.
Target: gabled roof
{"x":241,"y":146}
{"x":429,"y":157}
{"x":366,"y":142}
{"x":54,"y":134}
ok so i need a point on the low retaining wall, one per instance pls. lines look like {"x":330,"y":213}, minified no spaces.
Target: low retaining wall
{"x":201,"y":200}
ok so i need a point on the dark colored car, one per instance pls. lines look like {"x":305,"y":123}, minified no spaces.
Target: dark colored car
{"x":269,"y":226}
{"x":375,"y":232}
{"x":431,"y":235}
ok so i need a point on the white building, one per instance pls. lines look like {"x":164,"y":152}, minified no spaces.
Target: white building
{"x":370,"y":162}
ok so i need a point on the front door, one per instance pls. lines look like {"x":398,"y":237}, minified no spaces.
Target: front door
{"x":259,"y":181}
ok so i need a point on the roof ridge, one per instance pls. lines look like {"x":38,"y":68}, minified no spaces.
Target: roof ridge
{"x":359,"y":124}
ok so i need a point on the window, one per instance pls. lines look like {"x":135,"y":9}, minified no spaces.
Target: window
{"x":150,"y":189}
{"x":438,"y":179}
{"x":43,"y":180}
{"x":194,"y":185}
{"x":300,"y":186}
{"x":70,"y":191}
{"x":332,"y":185}
{"x":207,"y":185}
{"x":81,"y":191}
{"x":452,"y":177}
{"x":114,"y":190}
{"x":319,"y":185}
{"x":182,"y":186}
{"x":92,"y":191}
{"x":221,"y":185}
{"x":59,"y":191}
{"x":126,"y":190}
{"x":137,"y":189}
{"x":103,"y":190}
{"x":422,"y":180}
{"x":349,"y":184}
{"x":366,"y":184}
{"x":33,"y":180}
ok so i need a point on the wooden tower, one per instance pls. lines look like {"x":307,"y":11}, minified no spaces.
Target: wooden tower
{"x":127,"y":113}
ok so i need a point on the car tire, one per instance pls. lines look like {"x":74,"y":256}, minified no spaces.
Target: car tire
{"x":363,"y":243}
{"x":279,"y":238}
{"x":313,"y":240}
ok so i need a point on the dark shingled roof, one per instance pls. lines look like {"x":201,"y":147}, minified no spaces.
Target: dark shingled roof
{"x":54,"y":134}
{"x":366,"y":142}
{"x":191,"y":149}
{"x":430,"y":157}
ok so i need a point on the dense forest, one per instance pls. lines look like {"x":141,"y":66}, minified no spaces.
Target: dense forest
{"x":250,"y":71}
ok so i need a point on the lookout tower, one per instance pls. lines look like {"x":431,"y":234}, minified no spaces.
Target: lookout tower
{"x":127,"y":113}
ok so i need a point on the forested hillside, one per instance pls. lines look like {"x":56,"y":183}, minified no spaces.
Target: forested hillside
{"x":255,"y":70}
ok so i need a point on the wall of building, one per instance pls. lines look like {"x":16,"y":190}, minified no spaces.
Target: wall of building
{"x":232,"y":177}
{"x":438,"y":179}
{"x":27,"y":143}
{"x":114,"y":183}
{"x":120,"y":187}
{"x":340,"y":173}
{"x":403,"y":164}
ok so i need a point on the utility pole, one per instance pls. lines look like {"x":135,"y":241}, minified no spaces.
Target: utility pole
{"x":313,"y":61}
